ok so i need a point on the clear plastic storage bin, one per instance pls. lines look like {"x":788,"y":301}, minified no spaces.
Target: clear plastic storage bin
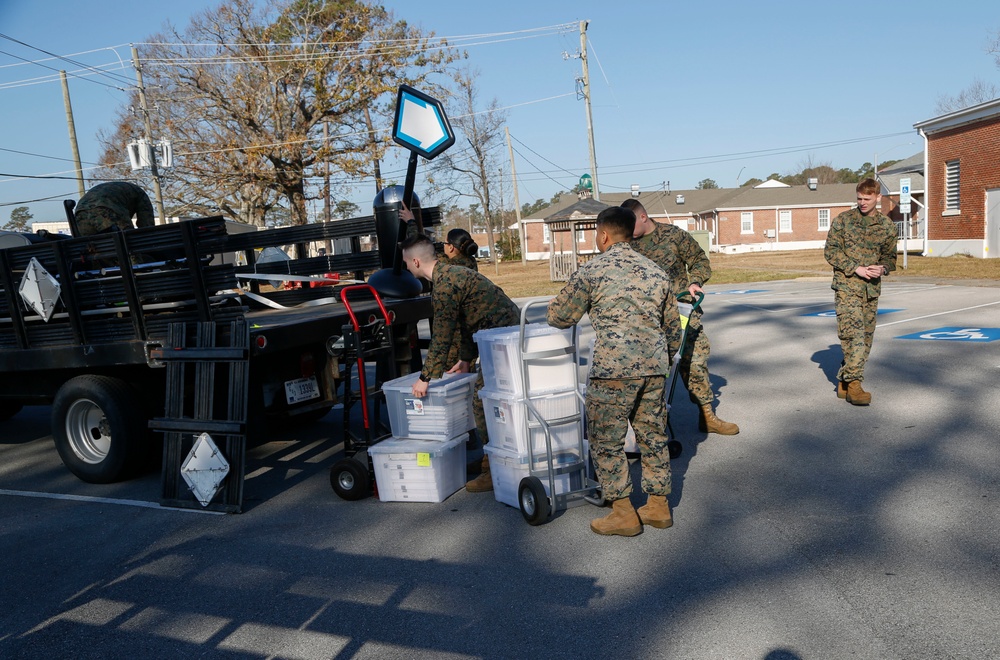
{"x":511,"y":425}
{"x":500,"y":359}
{"x":508,"y":468}
{"x":408,"y":470}
{"x":442,"y":414}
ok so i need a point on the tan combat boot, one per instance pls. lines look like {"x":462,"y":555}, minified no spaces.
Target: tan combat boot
{"x":856,"y":395}
{"x":656,"y":512}
{"x":622,"y":521}
{"x":841,"y":389}
{"x":709,"y":423}
{"x":484,"y":482}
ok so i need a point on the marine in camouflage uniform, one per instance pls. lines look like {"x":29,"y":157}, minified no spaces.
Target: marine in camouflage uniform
{"x":685,"y":262}
{"x":112,"y":204}
{"x":458,"y":259}
{"x":634,"y":316}
{"x":463,"y":302}
{"x":861,"y":247}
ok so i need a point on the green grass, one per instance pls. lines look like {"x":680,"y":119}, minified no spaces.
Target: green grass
{"x":533,"y":279}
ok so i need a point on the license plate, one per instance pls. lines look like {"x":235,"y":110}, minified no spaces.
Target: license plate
{"x":301,"y":389}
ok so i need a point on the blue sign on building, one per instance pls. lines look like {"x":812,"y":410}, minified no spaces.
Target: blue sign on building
{"x":956,"y":334}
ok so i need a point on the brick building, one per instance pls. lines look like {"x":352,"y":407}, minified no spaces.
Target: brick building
{"x":962,"y":170}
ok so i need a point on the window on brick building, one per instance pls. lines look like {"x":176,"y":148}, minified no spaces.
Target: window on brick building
{"x":785,"y":221}
{"x":546,"y":234}
{"x":746,"y":222}
{"x":951,"y":187}
{"x":824,"y":219}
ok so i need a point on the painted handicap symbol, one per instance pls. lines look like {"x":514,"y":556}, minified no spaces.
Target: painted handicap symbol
{"x":964,"y":333}
{"x":956,"y":334}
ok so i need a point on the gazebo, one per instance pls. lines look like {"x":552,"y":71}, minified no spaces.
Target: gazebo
{"x":563,"y":227}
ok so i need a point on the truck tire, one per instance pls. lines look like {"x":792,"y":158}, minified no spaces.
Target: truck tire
{"x":8,"y":410}
{"x":99,"y":428}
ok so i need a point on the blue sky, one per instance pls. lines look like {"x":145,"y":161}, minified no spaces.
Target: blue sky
{"x":682,"y":91}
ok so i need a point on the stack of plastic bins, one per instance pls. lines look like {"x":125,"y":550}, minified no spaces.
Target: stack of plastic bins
{"x":514,"y":411}
{"x":424,"y":461}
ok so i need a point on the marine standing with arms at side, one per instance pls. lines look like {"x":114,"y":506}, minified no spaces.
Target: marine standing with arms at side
{"x":464,"y":302}
{"x":634,"y":317}
{"x":679,"y":255}
{"x":861,"y":247}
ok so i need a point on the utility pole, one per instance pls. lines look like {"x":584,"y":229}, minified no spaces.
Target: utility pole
{"x":74,"y":147}
{"x":371,"y":135}
{"x":586,"y":99}
{"x":149,"y":135}
{"x":517,"y":201}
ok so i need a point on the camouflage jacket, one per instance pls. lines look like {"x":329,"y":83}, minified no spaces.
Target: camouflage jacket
{"x":678,"y":253}
{"x":855,"y":240}
{"x":463,"y":301}
{"x":124,"y":198}
{"x":633,"y":312}
{"x":463,"y":260}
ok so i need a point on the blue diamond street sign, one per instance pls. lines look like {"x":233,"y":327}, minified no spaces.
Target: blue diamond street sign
{"x":421,"y":124}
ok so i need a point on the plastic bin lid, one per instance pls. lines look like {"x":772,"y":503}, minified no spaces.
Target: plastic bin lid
{"x":414,"y":446}
{"x":530,"y":330}
{"x":521,"y":398}
{"x":511,"y":457}
{"x":444,"y":384}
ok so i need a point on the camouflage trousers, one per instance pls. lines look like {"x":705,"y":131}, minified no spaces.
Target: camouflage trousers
{"x":477,"y":409}
{"x":693,"y":368}
{"x":856,"y":330}
{"x":611,"y":404}
{"x":99,"y":219}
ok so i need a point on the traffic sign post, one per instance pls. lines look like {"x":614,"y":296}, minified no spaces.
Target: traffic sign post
{"x":904,"y":208}
{"x":421,"y":126}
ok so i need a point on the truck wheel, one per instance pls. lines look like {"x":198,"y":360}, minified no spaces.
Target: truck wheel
{"x":99,"y":428}
{"x":8,"y":409}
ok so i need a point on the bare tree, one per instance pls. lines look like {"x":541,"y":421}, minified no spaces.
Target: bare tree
{"x":244,"y":92}
{"x":978,"y":92}
{"x":474,"y":172}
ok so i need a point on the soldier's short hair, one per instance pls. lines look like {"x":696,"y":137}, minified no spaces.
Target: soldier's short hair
{"x":617,"y":221}
{"x":419,"y":246}
{"x":868,"y":186}
{"x":633,"y":205}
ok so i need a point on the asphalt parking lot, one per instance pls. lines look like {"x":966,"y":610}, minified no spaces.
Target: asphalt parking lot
{"x":822,"y":530}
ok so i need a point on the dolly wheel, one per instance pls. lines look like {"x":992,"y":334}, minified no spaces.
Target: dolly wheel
{"x":674,"y":448}
{"x":350,"y":479}
{"x":533,"y":500}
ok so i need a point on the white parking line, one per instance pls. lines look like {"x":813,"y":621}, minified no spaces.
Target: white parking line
{"x":101,"y":500}
{"x":927,"y":316}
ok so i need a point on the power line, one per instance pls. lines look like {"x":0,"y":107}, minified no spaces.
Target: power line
{"x":114,"y":77}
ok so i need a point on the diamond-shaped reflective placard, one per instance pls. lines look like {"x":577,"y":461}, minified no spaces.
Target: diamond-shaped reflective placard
{"x":204,"y":469}
{"x":39,"y":290}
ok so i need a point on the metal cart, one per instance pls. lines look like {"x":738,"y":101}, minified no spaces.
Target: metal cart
{"x":536,"y":503}
{"x":350,"y":477}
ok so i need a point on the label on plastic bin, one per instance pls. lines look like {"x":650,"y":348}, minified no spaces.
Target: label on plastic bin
{"x":501,"y":413}
{"x":413,"y":406}
{"x":423,"y":459}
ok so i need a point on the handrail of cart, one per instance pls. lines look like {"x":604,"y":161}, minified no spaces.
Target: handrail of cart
{"x":350,"y":312}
